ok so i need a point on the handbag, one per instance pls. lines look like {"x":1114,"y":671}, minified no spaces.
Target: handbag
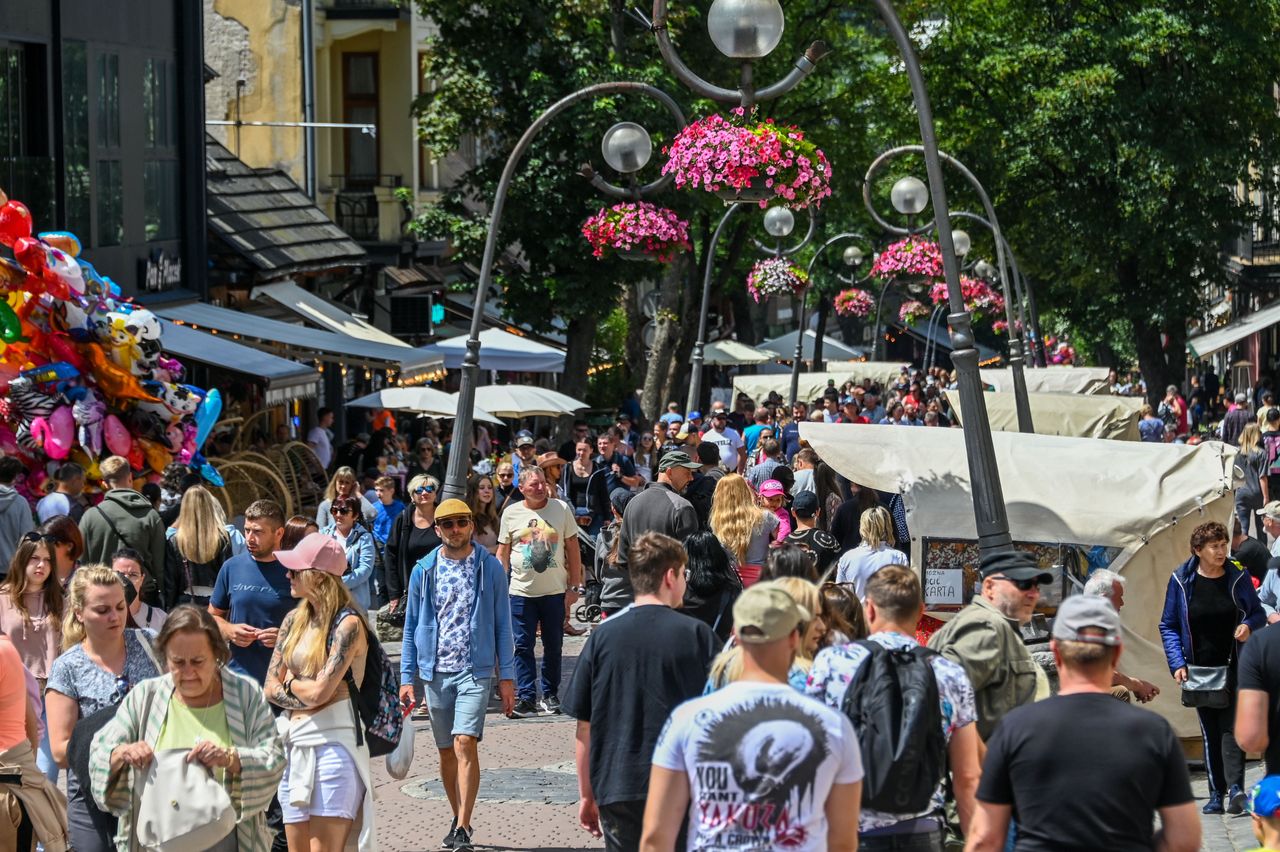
{"x":180,"y":805}
{"x":1208,"y":687}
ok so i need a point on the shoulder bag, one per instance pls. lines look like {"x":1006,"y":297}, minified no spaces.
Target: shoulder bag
{"x":1209,"y":687}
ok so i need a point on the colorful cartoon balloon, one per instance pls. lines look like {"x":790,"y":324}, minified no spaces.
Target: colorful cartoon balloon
{"x":63,"y":241}
{"x":56,"y":433}
{"x":119,"y":441}
{"x":10,"y":325}
{"x":206,"y":416}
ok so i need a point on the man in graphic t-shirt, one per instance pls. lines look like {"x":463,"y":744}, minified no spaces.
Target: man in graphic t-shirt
{"x":759,"y":765}
{"x":251,"y":595}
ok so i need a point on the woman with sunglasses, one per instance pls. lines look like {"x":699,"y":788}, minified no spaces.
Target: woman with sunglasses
{"x":646,"y":457}
{"x":101,"y":662}
{"x":506,"y":474}
{"x":31,"y":616}
{"x":344,"y":484}
{"x":357,"y":543}
{"x":413,"y":535}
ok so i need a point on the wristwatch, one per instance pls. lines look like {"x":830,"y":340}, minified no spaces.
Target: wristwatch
{"x":578,"y":590}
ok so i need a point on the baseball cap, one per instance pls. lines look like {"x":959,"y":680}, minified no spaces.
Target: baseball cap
{"x":771,"y":488}
{"x":695,"y":415}
{"x":1264,"y":799}
{"x":452,"y":508}
{"x":708,"y":453}
{"x":316,"y":552}
{"x":677,"y":458}
{"x":622,"y":415}
{"x":1080,"y":612}
{"x":524,"y":441}
{"x":805,"y":504}
{"x":765,"y":613}
{"x":1014,"y":564}
{"x":1271,"y":510}
{"x":719,"y":412}
{"x":362,"y":438}
{"x":620,"y":497}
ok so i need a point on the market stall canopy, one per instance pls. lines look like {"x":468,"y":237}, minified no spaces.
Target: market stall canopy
{"x":883,"y":373}
{"x":730,"y":353}
{"x":940,"y":337}
{"x":1071,"y":415}
{"x":503,"y":351}
{"x":785,"y":347}
{"x":285,"y":380}
{"x":312,"y":342}
{"x":1129,"y":506}
{"x":420,"y":400}
{"x":1086,"y":380}
{"x":813,"y":384}
{"x":1204,"y":345}
{"x":525,"y":401}
{"x":321,"y":312}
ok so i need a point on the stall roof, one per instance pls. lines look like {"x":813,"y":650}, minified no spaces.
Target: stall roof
{"x":785,"y":347}
{"x":1203,"y":345}
{"x":728,"y":353}
{"x":318,"y":310}
{"x":285,"y":380}
{"x":500,"y":350}
{"x":327,"y":344}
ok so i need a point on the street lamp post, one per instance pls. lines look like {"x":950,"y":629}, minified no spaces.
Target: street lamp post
{"x":629,"y":150}
{"x":852,"y":257}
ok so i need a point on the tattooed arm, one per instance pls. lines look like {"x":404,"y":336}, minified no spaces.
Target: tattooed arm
{"x":349,"y":642}
{"x":278,"y":672}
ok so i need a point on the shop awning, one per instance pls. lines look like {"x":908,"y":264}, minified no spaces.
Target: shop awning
{"x":500,"y":350}
{"x":1204,"y":345}
{"x":310,"y":342}
{"x":321,"y":312}
{"x":285,"y":380}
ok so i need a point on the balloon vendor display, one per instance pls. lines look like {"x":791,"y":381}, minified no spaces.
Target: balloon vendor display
{"x":83,"y":372}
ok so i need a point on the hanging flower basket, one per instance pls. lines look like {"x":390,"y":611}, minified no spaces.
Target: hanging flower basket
{"x":637,"y":231}
{"x":980,"y":298}
{"x":1000,"y":327}
{"x":775,"y":276}
{"x":911,"y":311}
{"x":740,"y":158}
{"x":911,"y":259}
{"x":854,"y":303}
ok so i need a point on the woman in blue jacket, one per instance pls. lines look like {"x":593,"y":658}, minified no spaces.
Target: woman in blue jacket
{"x":358,"y":544}
{"x":1209,"y":611}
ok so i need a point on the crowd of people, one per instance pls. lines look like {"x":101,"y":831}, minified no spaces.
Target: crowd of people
{"x":760,"y":671}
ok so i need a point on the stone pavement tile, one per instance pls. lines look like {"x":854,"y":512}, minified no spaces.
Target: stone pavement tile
{"x":1225,"y":833}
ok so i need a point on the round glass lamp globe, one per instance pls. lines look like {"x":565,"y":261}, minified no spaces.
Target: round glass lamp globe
{"x":626,"y":147}
{"x":985,"y":270}
{"x":853,"y":256}
{"x":779,"y":221}
{"x":909,"y":196}
{"x":745,"y":29}
{"x":962,"y":243}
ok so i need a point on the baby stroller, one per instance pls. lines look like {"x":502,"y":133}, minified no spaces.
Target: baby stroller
{"x":588,"y":609}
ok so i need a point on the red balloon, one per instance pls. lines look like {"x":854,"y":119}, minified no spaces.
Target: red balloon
{"x":31,"y":253}
{"x":15,"y":222}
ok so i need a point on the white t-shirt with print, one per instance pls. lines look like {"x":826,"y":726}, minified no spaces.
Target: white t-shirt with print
{"x":728,"y":443}
{"x":537,"y":538}
{"x":761,"y":760}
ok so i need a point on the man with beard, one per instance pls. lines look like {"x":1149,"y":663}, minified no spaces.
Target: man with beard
{"x":759,"y":765}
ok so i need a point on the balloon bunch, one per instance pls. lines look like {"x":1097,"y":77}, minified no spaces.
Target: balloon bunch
{"x":82,"y":368}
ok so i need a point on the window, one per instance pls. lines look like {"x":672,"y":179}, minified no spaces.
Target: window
{"x":158,"y":103}
{"x":26,"y":167}
{"x":428,"y":164}
{"x":360,"y":106}
{"x":108,"y":100}
{"x":110,"y":204}
{"x":160,"y":199}
{"x":75,"y":123}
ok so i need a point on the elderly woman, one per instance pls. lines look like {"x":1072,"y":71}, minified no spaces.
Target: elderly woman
{"x":1210,"y":609}
{"x":218,"y":717}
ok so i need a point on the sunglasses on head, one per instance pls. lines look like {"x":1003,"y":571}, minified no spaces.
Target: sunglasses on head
{"x":34,"y":536}
{"x":1023,"y":585}
{"x":454,"y":523}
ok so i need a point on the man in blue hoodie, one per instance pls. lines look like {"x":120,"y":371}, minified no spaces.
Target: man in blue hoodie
{"x":457,"y":628}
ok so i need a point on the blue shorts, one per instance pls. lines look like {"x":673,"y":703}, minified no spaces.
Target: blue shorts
{"x":336,"y":789}
{"x":456,"y":701}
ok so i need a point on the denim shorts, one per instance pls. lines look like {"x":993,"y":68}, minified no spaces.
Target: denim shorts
{"x":456,"y":701}
{"x":336,"y":790}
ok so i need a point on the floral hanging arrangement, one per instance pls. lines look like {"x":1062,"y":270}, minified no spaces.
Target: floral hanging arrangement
{"x":854,"y":303}
{"x":637,"y":230}
{"x":912,"y":311}
{"x":980,"y":298}
{"x":740,"y":158}
{"x":1000,"y":327}
{"x":775,"y":276}
{"x":909,"y":258}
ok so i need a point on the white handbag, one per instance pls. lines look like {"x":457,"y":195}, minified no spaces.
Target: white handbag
{"x":182,"y":807}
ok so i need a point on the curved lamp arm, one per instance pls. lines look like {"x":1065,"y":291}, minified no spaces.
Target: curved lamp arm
{"x":779,"y":251}
{"x":633,"y":192}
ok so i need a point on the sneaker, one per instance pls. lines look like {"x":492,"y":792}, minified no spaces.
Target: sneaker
{"x":462,"y":840}
{"x":448,"y":841}
{"x":524,"y":709}
{"x":1236,"y":800}
{"x":550,"y":704}
{"x":1213,"y":806}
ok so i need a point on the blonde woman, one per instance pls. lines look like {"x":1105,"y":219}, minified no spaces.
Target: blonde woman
{"x":727,"y":666}
{"x":220,"y":718}
{"x":326,"y":791}
{"x":484,"y":511}
{"x":102,"y":660}
{"x":413,"y":535}
{"x":743,"y":527}
{"x":875,"y":552}
{"x":1252,"y":491}
{"x":195,"y":548}
{"x":344,"y":484}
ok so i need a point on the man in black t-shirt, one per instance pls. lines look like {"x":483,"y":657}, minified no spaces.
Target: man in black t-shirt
{"x":636,"y":667}
{"x":1092,"y":792}
{"x":1257,"y":726}
{"x":808,"y":535}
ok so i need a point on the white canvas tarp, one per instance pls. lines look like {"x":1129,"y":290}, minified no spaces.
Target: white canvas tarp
{"x":813,"y":384}
{"x":1142,"y":499}
{"x":1051,"y":379}
{"x":1068,"y":414}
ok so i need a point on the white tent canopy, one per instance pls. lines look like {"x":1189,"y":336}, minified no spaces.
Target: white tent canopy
{"x":729,"y":353}
{"x":785,"y":347}
{"x":421,"y":400}
{"x":1071,"y":415}
{"x":1140,"y":501}
{"x":525,"y":401}
{"x":1051,"y":379}
{"x":812,"y":385}
{"x":501,"y":350}
{"x":323,"y":313}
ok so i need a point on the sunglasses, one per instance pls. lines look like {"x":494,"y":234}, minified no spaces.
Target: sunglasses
{"x":505,"y":475}
{"x":336,"y":512}
{"x":33,"y":537}
{"x":425,"y":489}
{"x":454,"y":523}
{"x":1023,"y":585}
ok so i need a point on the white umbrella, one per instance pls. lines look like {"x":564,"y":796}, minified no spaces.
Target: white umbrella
{"x":422,"y":400}
{"x":525,"y":401}
{"x":728,"y":353}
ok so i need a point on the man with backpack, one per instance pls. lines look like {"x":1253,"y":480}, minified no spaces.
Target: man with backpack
{"x":905,"y":759}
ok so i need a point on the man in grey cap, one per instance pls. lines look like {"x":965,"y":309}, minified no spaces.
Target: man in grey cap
{"x":658,"y":508}
{"x":1081,"y":791}
{"x":985,"y":637}
{"x":1236,"y":419}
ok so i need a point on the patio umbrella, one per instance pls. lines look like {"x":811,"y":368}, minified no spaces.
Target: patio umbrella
{"x":525,"y":401}
{"x":421,"y":400}
{"x":727,"y":353}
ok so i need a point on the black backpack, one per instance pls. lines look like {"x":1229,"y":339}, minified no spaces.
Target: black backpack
{"x":376,"y":701}
{"x":893,"y":704}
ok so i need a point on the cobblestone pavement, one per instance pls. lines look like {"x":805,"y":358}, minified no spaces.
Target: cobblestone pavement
{"x":1225,"y":833}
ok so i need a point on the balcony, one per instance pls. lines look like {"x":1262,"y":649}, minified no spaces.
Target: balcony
{"x":350,"y":10}
{"x":366,"y":207}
